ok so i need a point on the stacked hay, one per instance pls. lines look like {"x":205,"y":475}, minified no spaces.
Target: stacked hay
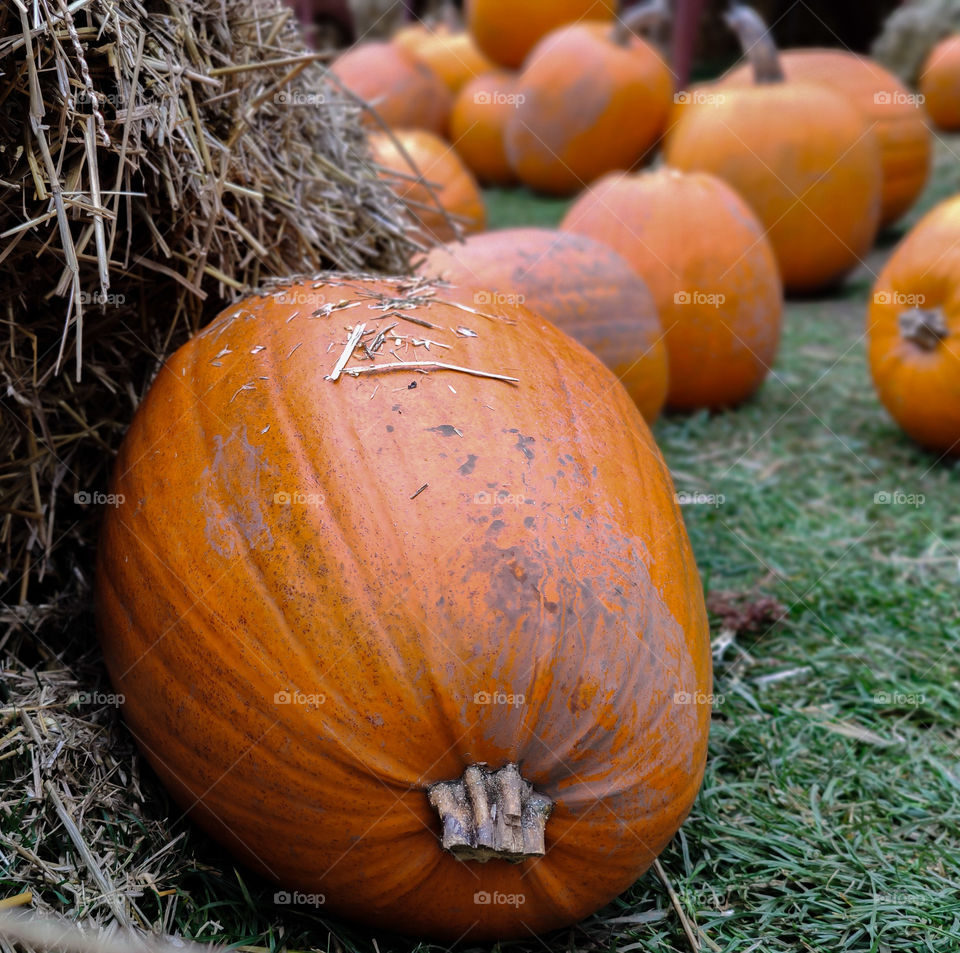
{"x":911,"y":32}
{"x":157,"y":159}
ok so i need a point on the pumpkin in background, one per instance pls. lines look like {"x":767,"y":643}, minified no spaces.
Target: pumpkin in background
{"x":595,"y":98}
{"x":712,"y":273}
{"x":507,"y":30}
{"x":940,"y":84}
{"x":330,"y":603}
{"x":887,"y":105}
{"x":453,"y":56}
{"x":805,"y":160}
{"x":914,"y":331}
{"x":405,"y":93}
{"x":436,"y":175}
{"x":480,"y":113}
{"x":580,"y":285}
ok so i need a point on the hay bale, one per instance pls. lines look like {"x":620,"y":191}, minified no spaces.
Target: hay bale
{"x":157,"y":160}
{"x":911,"y":32}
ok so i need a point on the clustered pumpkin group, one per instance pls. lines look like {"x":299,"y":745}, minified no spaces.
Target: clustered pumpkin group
{"x":398,"y":593}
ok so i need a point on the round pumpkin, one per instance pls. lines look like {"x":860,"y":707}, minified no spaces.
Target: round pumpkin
{"x":580,"y":285}
{"x":507,"y":30}
{"x":889,"y":107}
{"x":711,"y":270}
{"x":480,"y":114}
{"x":591,"y":99}
{"x":805,"y":160}
{"x":940,"y":84}
{"x":436,"y":175}
{"x":454,"y":57}
{"x":341,"y":609}
{"x":404,"y":92}
{"x":914,"y":331}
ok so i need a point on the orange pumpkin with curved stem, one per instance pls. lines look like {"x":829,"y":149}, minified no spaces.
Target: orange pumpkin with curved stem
{"x":480,"y":115}
{"x":326,"y":601}
{"x":720,"y":304}
{"x":430,"y":180}
{"x":405,"y":93}
{"x":580,"y":285}
{"x":507,"y":30}
{"x":914,"y":331}
{"x":804,"y":159}
{"x":940,"y":84}
{"x":595,"y":99}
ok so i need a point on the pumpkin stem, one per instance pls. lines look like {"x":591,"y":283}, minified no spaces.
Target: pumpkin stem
{"x":648,"y":18}
{"x":925,"y":327}
{"x":491,"y":814}
{"x":757,"y":43}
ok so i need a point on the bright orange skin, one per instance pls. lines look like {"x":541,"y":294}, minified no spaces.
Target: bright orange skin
{"x":693,"y":235}
{"x":590,"y":106}
{"x":449,"y":178}
{"x":454,"y":57}
{"x":920,"y":388}
{"x":940,"y":84}
{"x":580,"y":285}
{"x":480,"y":113}
{"x":807,"y":164}
{"x":405,"y":93}
{"x":507,"y":30}
{"x":897,"y":119}
{"x":582,"y":596}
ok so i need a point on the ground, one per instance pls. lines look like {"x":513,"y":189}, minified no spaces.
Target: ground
{"x":830,"y":814}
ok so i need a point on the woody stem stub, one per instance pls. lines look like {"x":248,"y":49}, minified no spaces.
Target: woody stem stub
{"x":925,"y":327}
{"x":757,"y":44}
{"x":491,"y":815}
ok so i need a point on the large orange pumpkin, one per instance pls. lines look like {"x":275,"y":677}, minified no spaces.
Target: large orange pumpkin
{"x":480,"y":114}
{"x":405,"y":93}
{"x":805,"y":160}
{"x":436,"y":175}
{"x":712,"y":273}
{"x":507,"y":30}
{"x":580,"y":285}
{"x":593,"y":99}
{"x":889,"y":107}
{"x":914,"y":331}
{"x":326,"y":601}
{"x":940,"y":84}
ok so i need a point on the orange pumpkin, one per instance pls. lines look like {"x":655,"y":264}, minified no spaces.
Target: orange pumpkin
{"x":404,"y":92}
{"x":325,"y":601}
{"x":480,"y":113}
{"x":804,"y":159}
{"x":581,"y":286}
{"x":454,"y":57}
{"x":712,"y":273}
{"x":592,"y":99}
{"x":914,"y":331}
{"x":507,"y":30}
{"x":888,"y":106}
{"x":940,"y":84}
{"x":436,"y":176}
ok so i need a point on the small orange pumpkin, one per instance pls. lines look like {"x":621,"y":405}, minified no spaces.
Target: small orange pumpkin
{"x":436,"y":175}
{"x":507,"y":30}
{"x":805,"y":160}
{"x":712,"y":273}
{"x":580,"y":285}
{"x":940,"y":84}
{"x":480,"y":114}
{"x":454,"y":57}
{"x":914,"y":331}
{"x":405,"y":93}
{"x":593,"y":98}
{"x":366,"y":626}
